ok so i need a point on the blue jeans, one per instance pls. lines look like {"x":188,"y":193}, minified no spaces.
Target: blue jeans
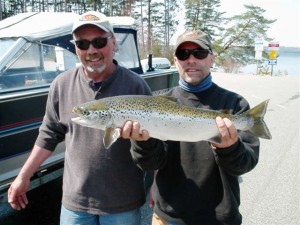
{"x":69,"y":217}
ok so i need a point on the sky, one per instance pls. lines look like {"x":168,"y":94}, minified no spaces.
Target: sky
{"x":286,"y":30}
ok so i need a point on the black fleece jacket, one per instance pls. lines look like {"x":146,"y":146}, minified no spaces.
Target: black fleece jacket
{"x":194,"y":183}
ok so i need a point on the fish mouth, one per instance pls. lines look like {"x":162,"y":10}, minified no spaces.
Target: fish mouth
{"x":76,"y":119}
{"x":81,"y":121}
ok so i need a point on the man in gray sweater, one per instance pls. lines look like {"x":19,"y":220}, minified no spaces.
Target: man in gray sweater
{"x":99,"y":185}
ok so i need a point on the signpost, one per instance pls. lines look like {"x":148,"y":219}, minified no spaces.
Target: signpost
{"x":273,"y":48}
{"x":258,"y":47}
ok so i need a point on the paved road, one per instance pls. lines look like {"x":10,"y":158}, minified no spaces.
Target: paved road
{"x":269,"y":193}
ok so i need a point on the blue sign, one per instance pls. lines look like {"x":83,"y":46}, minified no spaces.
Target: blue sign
{"x":272,"y":61}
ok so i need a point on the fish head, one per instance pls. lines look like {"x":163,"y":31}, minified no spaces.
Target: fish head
{"x":92,"y":115}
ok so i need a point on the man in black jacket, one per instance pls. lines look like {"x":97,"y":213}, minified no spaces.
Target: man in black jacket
{"x":197,"y":183}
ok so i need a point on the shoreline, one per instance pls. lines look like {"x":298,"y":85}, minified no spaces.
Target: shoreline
{"x":253,"y":75}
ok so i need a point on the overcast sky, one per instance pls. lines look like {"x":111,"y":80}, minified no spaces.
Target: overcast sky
{"x":286,"y":30}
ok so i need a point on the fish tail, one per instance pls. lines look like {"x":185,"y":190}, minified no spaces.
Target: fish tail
{"x":259,"y":128}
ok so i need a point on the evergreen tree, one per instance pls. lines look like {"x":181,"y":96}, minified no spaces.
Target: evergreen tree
{"x":156,"y":25}
{"x":204,"y":15}
{"x":157,"y":20}
{"x":236,"y":42}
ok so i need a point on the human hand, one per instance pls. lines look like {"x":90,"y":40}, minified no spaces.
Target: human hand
{"x":228,"y":132}
{"x":17,"y":193}
{"x":131,"y":130}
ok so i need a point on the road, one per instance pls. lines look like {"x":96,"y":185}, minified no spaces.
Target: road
{"x":269,"y":193}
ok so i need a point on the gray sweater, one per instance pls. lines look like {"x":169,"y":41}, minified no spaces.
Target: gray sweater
{"x":95,"y":180}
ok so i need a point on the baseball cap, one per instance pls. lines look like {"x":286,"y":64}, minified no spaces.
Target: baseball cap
{"x":93,"y":18}
{"x":198,"y":37}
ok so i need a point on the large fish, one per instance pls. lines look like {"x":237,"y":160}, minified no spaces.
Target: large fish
{"x":164,"y":118}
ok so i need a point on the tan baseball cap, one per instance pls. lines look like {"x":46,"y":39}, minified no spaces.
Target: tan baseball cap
{"x":196,"y":36}
{"x":93,"y":18}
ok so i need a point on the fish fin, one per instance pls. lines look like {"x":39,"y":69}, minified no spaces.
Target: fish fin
{"x":216,"y":139}
{"x":110,"y":136}
{"x":173,"y":99}
{"x":259,"y":128}
{"x":226,"y":111}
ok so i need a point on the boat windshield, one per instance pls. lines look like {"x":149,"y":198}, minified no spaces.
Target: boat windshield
{"x":33,"y":64}
{"x":6,"y":44}
{"x":28,"y":64}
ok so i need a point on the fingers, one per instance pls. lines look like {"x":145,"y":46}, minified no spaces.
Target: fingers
{"x":20,"y":202}
{"x":126,"y":130}
{"x":23,"y":201}
{"x":227,"y":131}
{"x":16,"y":201}
{"x":138,"y":134}
{"x":132,"y":130}
{"x":17,"y":194}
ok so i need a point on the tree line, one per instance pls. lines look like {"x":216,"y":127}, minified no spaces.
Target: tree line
{"x":157,"y":21}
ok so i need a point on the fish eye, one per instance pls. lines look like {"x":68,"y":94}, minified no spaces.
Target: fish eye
{"x":85,"y":112}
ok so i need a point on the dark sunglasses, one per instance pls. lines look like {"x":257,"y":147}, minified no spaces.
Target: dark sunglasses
{"x":98,"y":43}
{"x":184,"y":54}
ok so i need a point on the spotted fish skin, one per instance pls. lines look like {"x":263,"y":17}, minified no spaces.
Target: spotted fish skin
{"x":164,"y":118}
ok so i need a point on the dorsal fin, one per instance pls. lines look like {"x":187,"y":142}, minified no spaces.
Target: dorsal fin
{"x":225,"y":111}
{"x":173,"y":99}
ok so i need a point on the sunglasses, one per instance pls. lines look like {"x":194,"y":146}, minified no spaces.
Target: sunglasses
{"x":184,"y":54}
{"x":97,"y":43}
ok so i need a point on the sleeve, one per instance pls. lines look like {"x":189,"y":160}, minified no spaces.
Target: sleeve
{"x":243,"y":156}
{"x":149,"y":155}
{"x":51,"y":131}
{"x":240,"y":158}
{"x":145,"y":89}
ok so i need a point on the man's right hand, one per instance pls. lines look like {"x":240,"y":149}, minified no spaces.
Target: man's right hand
{"x":17,"y":193}
{"x":131,"y":130}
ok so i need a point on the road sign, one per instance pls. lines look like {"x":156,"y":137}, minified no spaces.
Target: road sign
{"x":273,"y":54}
{"x":258,"y":55}
{"x":259,"y":45}
{"x":273,"y":46}
{"x":272,"y":62}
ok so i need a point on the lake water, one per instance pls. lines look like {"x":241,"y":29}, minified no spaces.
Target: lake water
{"x":287,"y":64}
